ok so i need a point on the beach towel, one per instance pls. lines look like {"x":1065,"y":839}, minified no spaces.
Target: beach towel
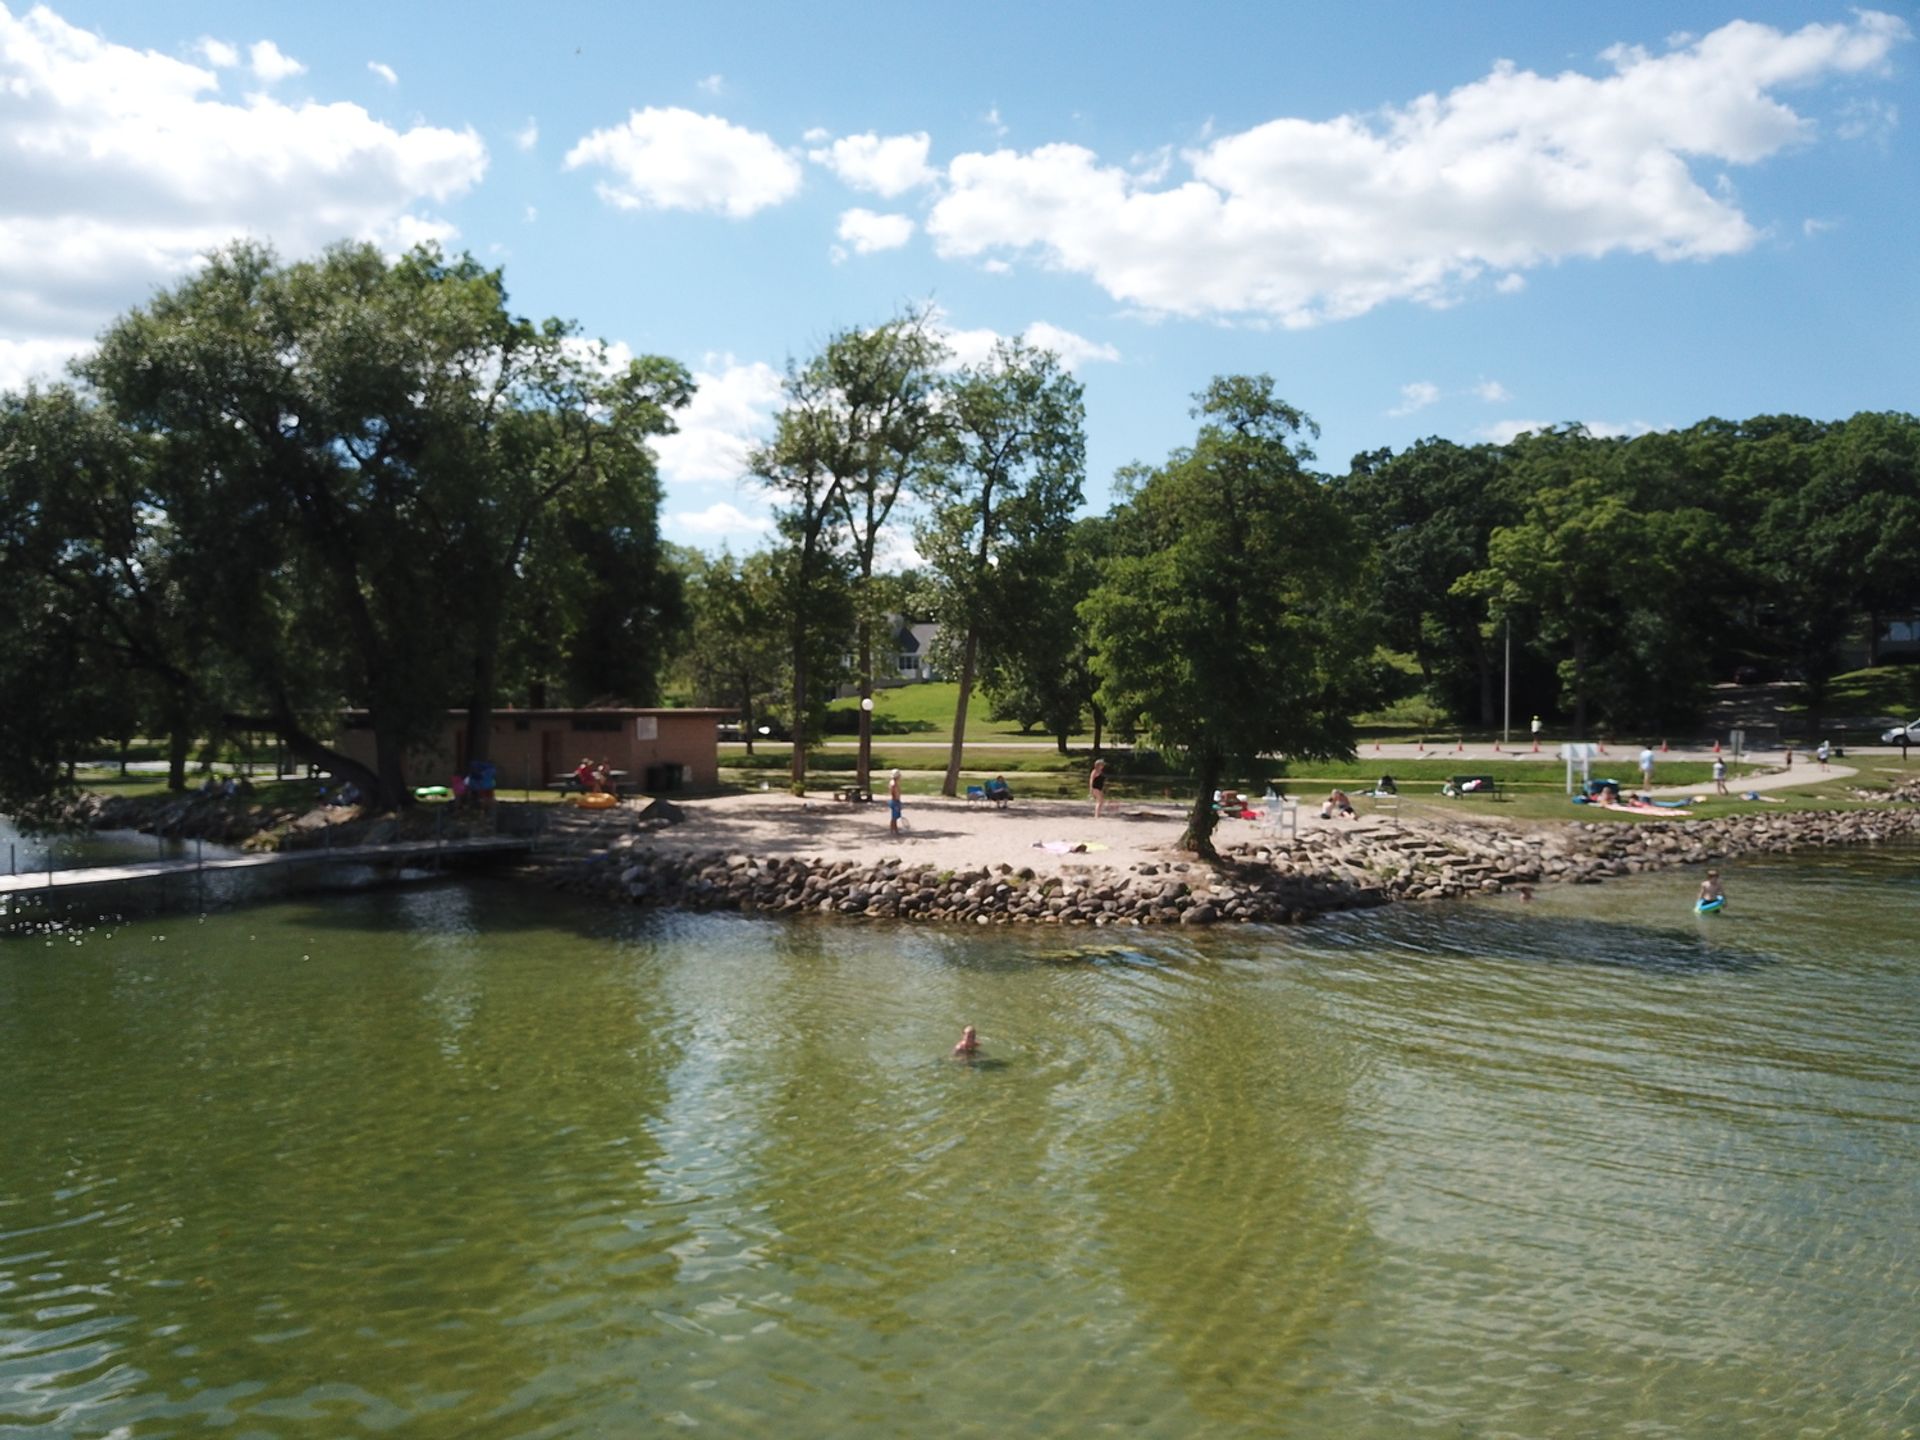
{"x":1068,"y":847}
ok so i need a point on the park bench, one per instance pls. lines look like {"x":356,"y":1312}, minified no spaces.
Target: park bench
{"x":1473,"y":785}
{"x":853,"y":795}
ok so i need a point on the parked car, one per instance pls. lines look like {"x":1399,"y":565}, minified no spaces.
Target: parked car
{"x":1902,"y":734}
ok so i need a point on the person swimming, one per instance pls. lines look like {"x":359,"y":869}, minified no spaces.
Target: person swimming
{"x":1710,"y":891}
{"x":969,"y":1043}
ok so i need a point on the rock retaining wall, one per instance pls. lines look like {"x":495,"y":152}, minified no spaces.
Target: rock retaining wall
{"x":1321,"y":871}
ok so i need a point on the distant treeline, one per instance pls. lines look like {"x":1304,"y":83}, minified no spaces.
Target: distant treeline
{"x":278,"y":489}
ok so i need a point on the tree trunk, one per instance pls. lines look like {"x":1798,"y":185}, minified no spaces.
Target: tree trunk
{"x":746,"y":711}
{"x":1198,"y":836}
{"x":863,"y":629}
{"x":1099,"y":721}
{"x":308,"y":750}
{"x":797,"y":769}
{"x":179,"y":742}
{"x":1483,"y":665}
{"x":1579,"y":686}
{"x":390,"y":760}
{"x":480,"y":709}
{"x":1873,"y":637}
{"x":951,"y":786}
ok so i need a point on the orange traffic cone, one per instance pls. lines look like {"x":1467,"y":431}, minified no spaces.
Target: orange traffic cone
{"x":1376,"y":747}
{"x":1423,"y":744}
{"x":1716,"y":747}
{"x":1603,"y":747}
{"x":1460,"y":746}
{"x":1663,"y":748}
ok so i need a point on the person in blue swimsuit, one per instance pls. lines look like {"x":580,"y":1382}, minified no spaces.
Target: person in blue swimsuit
{"x":893,"y":805}
{"x":1710,"y":891}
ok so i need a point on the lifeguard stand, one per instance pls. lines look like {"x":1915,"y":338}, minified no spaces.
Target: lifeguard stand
{"x":1581,"y":753}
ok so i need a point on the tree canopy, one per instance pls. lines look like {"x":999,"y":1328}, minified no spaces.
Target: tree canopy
{"x":1224,"y":625}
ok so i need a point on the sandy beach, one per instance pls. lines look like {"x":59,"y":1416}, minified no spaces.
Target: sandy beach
{"x":953,"y":834}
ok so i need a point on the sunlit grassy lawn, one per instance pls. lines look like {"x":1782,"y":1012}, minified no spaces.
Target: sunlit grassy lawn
{"x":1884,"y":690}
{"x":925,"y":712}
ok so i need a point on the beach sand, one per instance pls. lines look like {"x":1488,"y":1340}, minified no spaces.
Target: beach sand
{"x":948,"y":834}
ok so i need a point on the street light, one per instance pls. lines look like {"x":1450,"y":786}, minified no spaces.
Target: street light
{"x":866,"y":740}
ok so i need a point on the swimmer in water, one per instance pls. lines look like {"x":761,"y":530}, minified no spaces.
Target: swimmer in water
{"x":969,"y":1043}
{"x":1710,"y":890}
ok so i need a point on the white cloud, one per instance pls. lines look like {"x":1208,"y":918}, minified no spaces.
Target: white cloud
{"x":1416,"y":396}
{"x":1073,"y":350}
{"x":1300,"y":222}
{"x":721,"y":521}
{"x":269,"y":65}
{"x":886,"y":166}
{"x":711,"y":85}
{"x":868,"y":232}
{"x":217,"y":53}
{"x":528,"y":135}
{"x":43,"y":360}
{"x":1864,"y":119}
{"x":1493,"y":392}
{"x":1813,"y":225}
{"x":993,"y":121}
{"x":1510,"y":284}
{"x":731,"y":411}
{"x":673,"y":159}
{"x":122,"y":167}
{"x":1503,"y":432}
{"x":385,"y":72}
{"x":973,"y":347}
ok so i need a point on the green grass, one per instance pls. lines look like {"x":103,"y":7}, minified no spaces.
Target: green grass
{"x":925,"y":712}
{"x":1882,"y":690}
{"x":265,"y":792}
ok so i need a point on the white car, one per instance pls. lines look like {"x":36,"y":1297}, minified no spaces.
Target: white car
{"x":1901,"y":734}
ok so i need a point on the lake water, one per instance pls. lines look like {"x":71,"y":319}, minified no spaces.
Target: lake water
{"x":471,"y":1161}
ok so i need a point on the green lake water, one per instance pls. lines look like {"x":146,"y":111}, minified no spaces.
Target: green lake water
{"x":468,"y":1160}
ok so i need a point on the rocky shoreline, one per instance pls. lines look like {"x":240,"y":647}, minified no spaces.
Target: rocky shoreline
{"x":1279,"y":883}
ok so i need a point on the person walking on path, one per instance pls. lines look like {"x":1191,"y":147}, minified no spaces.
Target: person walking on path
{"x":1097,"y":788}
{"x":1646,"y":767}
{"x":1823,"y":754}
{"x":893,"y":805}
{"x":1720,"y":774}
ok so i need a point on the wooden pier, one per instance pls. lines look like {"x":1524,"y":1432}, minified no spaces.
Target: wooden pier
{"x":61,"y":882}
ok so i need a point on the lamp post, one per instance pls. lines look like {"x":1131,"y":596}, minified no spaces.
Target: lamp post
{"x":866,"y":741}
{"x":1506,"y":704}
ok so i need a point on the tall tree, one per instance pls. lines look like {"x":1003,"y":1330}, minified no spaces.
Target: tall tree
{"x":366,"y":450}
{"x":1225,"y":623}
{"x":998,"y":528}
{"x":800,"y":465}
{"x":1427,"y":513}
{"x":1042,"y":675}
{"x":98,"y":623}
{"x":859,"y":430}
{"x":893,"y":443}
{"x":733,"y":655}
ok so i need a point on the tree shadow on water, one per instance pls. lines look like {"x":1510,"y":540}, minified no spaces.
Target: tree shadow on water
{"x":1534,"y":936}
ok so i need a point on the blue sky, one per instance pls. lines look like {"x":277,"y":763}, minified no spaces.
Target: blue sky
{"x":1420,"y":219}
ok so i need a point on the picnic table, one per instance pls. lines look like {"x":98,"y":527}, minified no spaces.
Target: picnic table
{"x":569,"y":783}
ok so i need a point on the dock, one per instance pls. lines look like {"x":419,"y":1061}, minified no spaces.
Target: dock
{"x":60,"y":882}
